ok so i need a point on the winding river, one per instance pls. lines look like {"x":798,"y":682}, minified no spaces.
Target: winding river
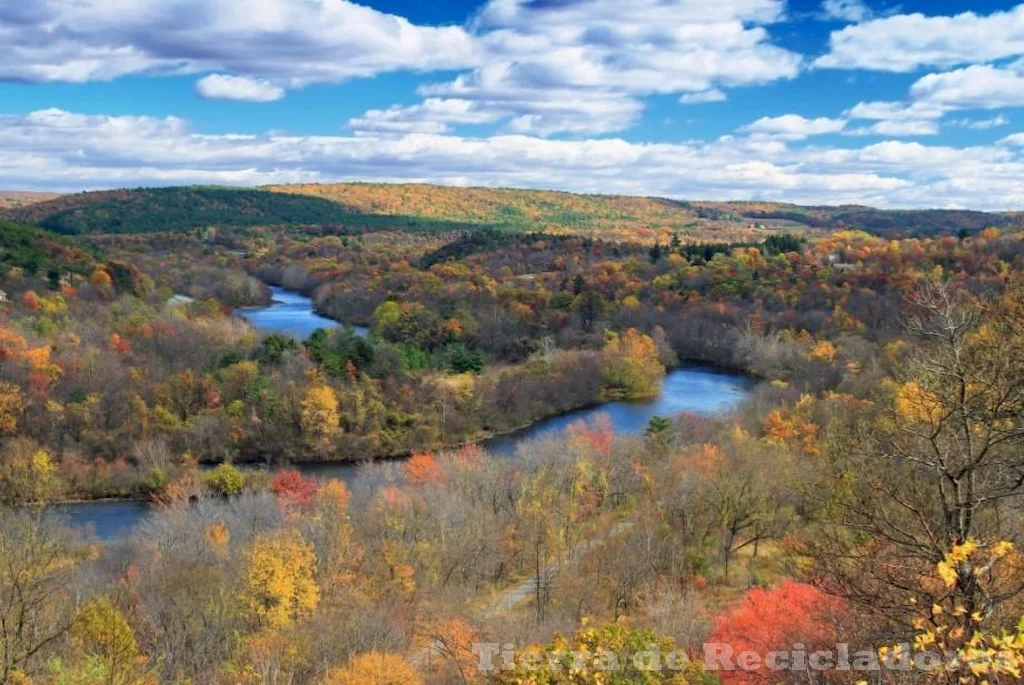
{"x":697,"y":389}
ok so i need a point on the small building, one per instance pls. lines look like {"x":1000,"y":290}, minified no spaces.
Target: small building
{"x":3,"y":296}
{"x":180,"y":301}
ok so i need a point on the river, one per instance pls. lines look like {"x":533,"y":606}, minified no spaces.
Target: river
{"x":697,"y":389}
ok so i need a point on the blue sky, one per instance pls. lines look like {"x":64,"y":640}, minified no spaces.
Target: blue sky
{"x":826,"y":101}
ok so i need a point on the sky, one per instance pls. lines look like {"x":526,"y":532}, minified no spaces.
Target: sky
{"x":909,"y":104}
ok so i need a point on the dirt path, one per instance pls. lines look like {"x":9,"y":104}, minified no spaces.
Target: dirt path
{"x":517,"y":594}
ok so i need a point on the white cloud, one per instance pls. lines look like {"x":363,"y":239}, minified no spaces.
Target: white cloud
{"x":73,"y":151}
{"x":895,"y":111}
{"x":982,"y":124}
{"x":905,"y":42}
{"x":525,"y":62}
{"x":845,"y":10}
{"x":704,"y":96}
{"x":433,"y":115}
{"x":974,"y":87}
{"x":1013,"y":139}
{"x":287,"y":42}
{"x":242,"y":88}
{"x":897,"y":128}
{"x":793,"y":126}
{"x":582,"y":66}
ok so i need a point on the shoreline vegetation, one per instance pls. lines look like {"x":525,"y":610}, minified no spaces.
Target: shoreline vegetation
{"x":260,"y":470}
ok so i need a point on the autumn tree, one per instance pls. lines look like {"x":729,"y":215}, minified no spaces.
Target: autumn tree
{"x":971,"y":653}
{"x":321,"y":418}
{"x":107,"y":641}
{"x":631,"y":364}
{"x":279,"y":583}
{"x":775,"y":619}
{"x":940,"y":462}
{"x":295,"y":490}
{"x":12,"y":403}
{"x":374,"y":668}
{"x":422,"y":469}
{"x":37,"y":598}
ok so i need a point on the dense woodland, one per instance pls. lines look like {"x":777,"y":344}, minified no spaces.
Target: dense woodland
{"x":868,"y":492}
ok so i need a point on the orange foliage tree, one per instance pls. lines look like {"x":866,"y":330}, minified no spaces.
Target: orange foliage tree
{"x":421,"y":468}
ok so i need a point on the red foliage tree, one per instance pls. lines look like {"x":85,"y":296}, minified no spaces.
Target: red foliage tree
{"x":295,"y":490}
{"x":776,"y":619}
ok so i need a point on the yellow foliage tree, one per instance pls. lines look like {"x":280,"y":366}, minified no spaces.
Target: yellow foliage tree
{"x":107,"y":640}
{"x":279,"y":583}
{"x":12,"y":403}
{"x":824,"y":351}
{"x":321,"y":418}
{"x":956,"y":629}
{"x":631,"y":364}
{"x":375,"y":668}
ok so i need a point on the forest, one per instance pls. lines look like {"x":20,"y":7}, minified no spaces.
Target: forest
{"x":867,"y":492}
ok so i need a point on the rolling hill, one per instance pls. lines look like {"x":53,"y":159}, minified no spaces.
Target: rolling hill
{"x":362,"y":207}
{"x":150,"y":210}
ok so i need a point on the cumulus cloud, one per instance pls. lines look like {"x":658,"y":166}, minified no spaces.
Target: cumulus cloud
{"x":72,"y":151}
{"x":517,"y":57}
{"x":582,"y":67}
{"x":905,"y":42}
{"x":287,"y":42}
{"x":974,"y":87}
{"x":845,"y":10}
{"x":793,"y":127}
{"x":242,"y":88}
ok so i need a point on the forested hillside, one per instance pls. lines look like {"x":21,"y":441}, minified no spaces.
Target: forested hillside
{"x":35,"y":251}
{"x":353,"y":208}
{"x":896,"y":223}
{"x":149,"y":210}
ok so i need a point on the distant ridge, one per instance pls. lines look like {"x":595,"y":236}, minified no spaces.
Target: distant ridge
{"x":360,"y":207}
{"x":10,"y":199}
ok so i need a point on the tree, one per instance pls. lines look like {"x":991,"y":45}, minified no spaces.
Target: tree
{"x":101,"y":280}
{"x":940,"y":464}
{"x":374,"y":668}
{"x":777,"y":618}
{"x":422,"y":469}
{"x":12,"y":403}
{"x":321,"y":418}
{"x":970,"y":652}
{"x":294,"y":490}
{"x":37,"y":598}
{"x":226,"y":480}
{"x":453,"y":640}
{"x":631,"y":364}
{"x":105,"y":637}
{"x":279,"y":583}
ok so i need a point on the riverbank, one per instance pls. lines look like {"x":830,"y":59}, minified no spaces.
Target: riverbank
{"x":698,"y":389}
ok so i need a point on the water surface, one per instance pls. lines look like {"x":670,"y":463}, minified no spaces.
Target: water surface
{"x":291,"y":313}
